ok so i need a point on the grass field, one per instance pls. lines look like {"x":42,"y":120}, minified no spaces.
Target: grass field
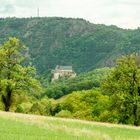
{"x":32,"y":127}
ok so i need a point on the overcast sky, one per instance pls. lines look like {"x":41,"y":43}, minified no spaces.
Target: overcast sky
{"x":123,"y":13}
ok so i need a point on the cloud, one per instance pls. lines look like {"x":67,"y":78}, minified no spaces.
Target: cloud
{"x":123,"y":13}
{"x":7,"y":8}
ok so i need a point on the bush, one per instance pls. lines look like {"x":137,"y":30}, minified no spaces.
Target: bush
{"x":23,"y":108}
{"x":64,"y":114}
{"x":84,"y":115}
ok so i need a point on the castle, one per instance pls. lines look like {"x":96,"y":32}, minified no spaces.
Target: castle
{"x":62,"y":71}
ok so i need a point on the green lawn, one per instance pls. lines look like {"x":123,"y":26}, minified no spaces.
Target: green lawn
{"x":32,"y":127}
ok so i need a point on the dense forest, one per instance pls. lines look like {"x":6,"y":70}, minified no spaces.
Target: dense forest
{"x":66,"y":41}
{"x":106,"y":58}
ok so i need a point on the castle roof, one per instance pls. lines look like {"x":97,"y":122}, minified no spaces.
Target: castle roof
{"x":58,"y":67}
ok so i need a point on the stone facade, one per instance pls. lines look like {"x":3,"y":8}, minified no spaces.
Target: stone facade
{"x":62,"y":71}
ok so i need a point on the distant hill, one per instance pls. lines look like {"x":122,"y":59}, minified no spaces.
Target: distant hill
{"x":67,"y":41}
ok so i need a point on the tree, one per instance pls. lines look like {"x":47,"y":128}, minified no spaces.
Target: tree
{"x":123,"y":86}
{"x":16,"y":76}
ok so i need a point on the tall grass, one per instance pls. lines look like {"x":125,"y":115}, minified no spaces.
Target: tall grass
{"x":32,"y":127}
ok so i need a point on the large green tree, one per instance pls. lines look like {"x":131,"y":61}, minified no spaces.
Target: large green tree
{"x":123,"y":86}
{"x":16,"y":76}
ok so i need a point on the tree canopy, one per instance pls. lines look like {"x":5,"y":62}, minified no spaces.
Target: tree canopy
{"x":123,"y":86}
{"x":16,"y":76}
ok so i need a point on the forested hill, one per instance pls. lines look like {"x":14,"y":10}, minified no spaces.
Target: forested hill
{"x":67,"y":41}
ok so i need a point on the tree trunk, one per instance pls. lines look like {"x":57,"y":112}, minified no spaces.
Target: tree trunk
{"x":7,"y":108}
{"x":7,"y":98}
{"x":135,"y":115}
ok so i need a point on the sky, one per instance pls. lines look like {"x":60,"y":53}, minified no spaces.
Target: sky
{"x":122,"y":13}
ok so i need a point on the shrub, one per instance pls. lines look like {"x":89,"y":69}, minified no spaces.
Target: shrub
{"x":64,"y":114}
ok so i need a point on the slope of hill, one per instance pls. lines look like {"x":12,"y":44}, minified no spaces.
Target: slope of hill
{"x":68,"y":41}
{"x":33,"y":127}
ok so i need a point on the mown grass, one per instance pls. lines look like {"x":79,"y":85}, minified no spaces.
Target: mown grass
{"x":32,"y":127}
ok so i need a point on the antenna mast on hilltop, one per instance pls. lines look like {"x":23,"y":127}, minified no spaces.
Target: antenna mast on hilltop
{"x":37,"y":12}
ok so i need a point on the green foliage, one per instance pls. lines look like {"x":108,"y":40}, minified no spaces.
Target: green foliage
{"x":75,"y":42}
{"x":87,"y":105}
{"x":64,"y":114}
{"x":83,"y":81}
{"x":123,"y":86}
{"x":83,"y":45}
{"x":42,"y":107}
{"x":16,"y":78}
{"x":24,"y":107}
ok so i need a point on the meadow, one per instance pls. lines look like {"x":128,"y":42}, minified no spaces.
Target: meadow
{"x":16,"y":126}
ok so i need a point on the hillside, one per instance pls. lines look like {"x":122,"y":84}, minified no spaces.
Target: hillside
{"x":33,"y":127}
{"x":67,"y":41}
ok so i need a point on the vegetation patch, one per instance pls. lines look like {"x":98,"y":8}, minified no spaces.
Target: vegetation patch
{"x":33,"y":127}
